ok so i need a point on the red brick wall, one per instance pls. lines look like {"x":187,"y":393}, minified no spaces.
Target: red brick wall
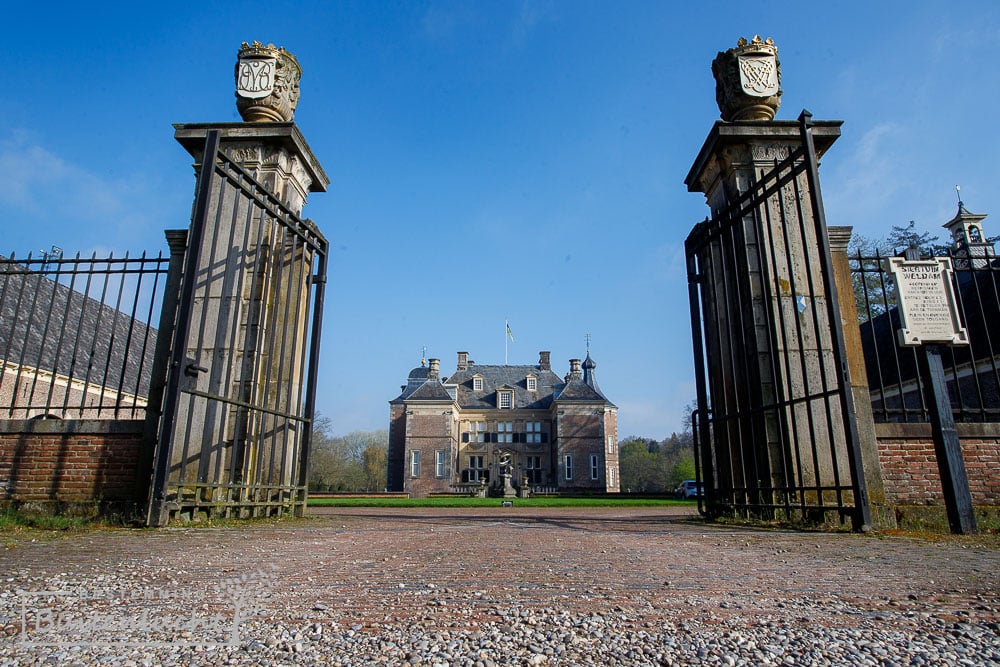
{"x":909,"y":465}
{"x":580,"y":435}
{"x":428,"y":433}
{"x":69,"y":461}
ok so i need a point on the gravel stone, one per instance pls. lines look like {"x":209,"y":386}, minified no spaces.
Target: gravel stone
{"x":464,"y":588}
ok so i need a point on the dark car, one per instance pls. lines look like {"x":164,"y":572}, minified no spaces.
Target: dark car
{"x":689,"y":488}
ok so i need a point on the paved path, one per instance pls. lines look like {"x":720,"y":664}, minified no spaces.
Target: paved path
{"x":353,"y":583}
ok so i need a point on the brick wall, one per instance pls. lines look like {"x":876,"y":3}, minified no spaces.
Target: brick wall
{"x":909,"y":465}
{"x":69,"y":461}
{"x":397,"y":447}
{"x":428,"y":432}
{"x":580,"y":433}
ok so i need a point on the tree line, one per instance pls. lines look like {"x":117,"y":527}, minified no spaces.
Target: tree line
{"x":352,"y":463}
{"x":651,"y":466}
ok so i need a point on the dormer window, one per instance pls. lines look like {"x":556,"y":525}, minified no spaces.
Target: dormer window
{"x":505,"y":399}
{"x":477,"y":383}
{"x":532,"y":383}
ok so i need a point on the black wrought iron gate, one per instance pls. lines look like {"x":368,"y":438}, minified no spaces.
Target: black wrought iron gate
{"x":234,"y":434}
{"x":775,"y":427}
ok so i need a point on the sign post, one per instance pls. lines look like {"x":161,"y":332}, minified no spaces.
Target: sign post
{"x":929,"y":319}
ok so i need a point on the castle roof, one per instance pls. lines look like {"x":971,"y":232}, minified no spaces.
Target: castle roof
{"x":461,"y":386}
{"x":504,"y":377}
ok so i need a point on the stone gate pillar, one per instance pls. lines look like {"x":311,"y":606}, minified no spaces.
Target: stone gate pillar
{"x":250,"y":305}
{"x":773,"y":365}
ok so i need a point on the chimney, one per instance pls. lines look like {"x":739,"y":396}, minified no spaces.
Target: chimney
{"x":463,"y":361}
{"x":543,"y":361}
{"x":574,"y":369}
{"x":433,"y":373}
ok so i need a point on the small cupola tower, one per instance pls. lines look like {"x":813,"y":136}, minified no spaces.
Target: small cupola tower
{"x":968,"y":238}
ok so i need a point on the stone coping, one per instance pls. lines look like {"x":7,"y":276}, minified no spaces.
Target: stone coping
{"x":923,"y":430}
{"x":73,"y":426}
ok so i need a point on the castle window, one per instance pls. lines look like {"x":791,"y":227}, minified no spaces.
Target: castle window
{"x":611,"y":477}
{"x":612,"y":445}
{"x":505,"y":432}
{"x":532,"y":383}
{"x":478,"y":431}
{"x":506,"y":399}
{"x":974,"y":234}
{"x":568,"y":464}
{"x":533,"y":469}
{"x":595,"y":470}
{"x":477,"y":471}
{"x":532,"y":432}
{"x":439,"y":461}
{"x":477,"y":383}
{"x":415,"y":463}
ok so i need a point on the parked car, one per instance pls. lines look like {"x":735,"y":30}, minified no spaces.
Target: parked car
{"x":689,"y":488}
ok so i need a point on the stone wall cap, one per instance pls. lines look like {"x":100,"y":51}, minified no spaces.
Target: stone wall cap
{"x":725,"y":133}
{"x":192,"y":137}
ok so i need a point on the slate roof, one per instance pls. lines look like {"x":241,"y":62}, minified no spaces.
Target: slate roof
{"x":499,"y":377}
{"x":459,"y":387}
{"x":46,"y":325}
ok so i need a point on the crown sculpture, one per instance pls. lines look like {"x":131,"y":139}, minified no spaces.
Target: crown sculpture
{"x":267,"y":83}
{"x":748,"y":80}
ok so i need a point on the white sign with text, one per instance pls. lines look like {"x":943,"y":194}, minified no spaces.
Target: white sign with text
{"x":927,"y":307}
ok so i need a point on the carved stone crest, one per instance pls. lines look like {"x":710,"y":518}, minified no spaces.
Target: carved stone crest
{"x":759,"y":75}
{"x":748,"y":80}
{"x":267,"y":83}
{"x":255,"y":77}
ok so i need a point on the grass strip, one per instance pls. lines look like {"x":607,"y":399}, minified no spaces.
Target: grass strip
{"x":495,"y":502}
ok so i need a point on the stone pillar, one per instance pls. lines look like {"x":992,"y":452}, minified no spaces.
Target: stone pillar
{"x":249,"y":310}
{"x":762,"y":277}
{"x":883,"y":516}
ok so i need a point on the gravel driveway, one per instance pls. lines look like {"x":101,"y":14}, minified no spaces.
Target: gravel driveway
{"x":498,"y":586}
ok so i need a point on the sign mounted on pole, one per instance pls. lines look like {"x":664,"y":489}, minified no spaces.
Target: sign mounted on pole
{"x":927,"y":307}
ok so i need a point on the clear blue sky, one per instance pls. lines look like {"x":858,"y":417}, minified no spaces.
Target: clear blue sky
{"x":493,"y":160}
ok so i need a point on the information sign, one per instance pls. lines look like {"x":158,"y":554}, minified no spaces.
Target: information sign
{"x":927,"y":307}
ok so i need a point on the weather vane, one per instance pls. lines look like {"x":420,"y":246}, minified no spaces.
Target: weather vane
{"x":587,"y":338}
{"x":423,"y":356}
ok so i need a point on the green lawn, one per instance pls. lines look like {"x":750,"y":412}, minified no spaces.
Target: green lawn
{"x":494,"y":502}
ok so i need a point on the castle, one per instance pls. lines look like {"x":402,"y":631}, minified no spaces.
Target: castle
{"x":503,"y":429}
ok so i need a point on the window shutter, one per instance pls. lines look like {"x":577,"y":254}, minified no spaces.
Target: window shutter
{"x":545,"y":437}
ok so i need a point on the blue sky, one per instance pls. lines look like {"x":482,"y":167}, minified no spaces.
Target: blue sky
{"x":493,"y":161}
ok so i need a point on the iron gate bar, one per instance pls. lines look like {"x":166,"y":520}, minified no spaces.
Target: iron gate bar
{"x":729,"y":417}
{"x":702,"y":439}
{"x":45,"y":337}
{"x":245,"y":404}
{"x":238,"y":175}
{"x":312,"y":375}
{"x":862,"y":518}
{"x":266,"y":449}
{"x":824,"y":375}
{"x":181,"y":331}
{"x":788,"y":371}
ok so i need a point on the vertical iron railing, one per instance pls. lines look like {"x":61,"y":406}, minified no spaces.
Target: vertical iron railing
{"x":776,"y":424}
{"x":972,"y":372}
{"x":77,"y":335}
